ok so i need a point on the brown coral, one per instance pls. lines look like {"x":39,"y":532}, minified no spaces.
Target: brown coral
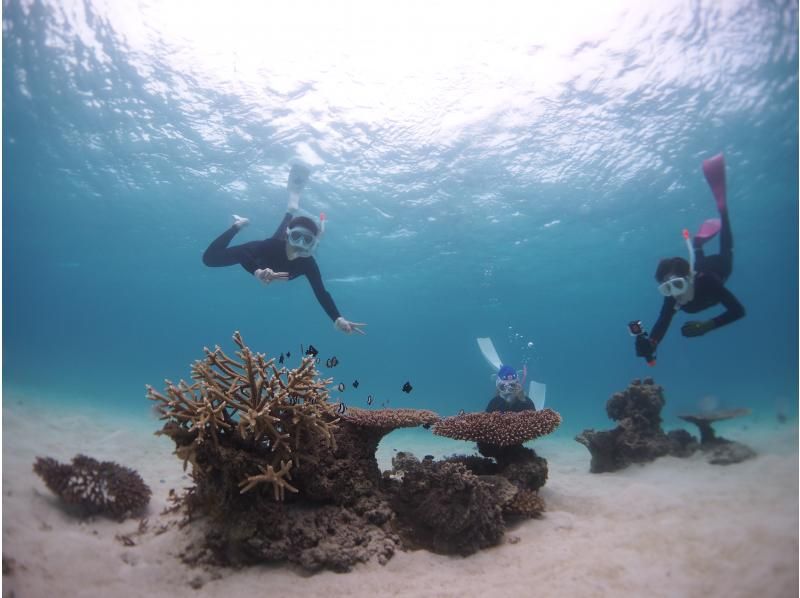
{"x":96,"y":488}
{"x":277,"y":416}
{"x":526,"y":503}
{"x":391,"y":419}
{"x":499,"y":428}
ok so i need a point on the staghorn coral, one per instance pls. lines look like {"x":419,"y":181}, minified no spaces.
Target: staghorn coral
{"x":279,"y":476}
{"x":95,"y":487}
{"x":499,"y":428}
{"x":274,"y":415}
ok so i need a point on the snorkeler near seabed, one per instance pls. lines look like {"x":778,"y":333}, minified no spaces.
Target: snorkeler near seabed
{"x":697,"y":284}
{"x":509,"y":395}
{"x":287,"y":254}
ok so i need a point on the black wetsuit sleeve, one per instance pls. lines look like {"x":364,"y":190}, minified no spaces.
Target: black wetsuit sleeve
{"x":528,"y":404}
{"x":322,"y":295}
{"x":734,"y":309}
{"x":280,"y":232}
{"x":664,"y":320}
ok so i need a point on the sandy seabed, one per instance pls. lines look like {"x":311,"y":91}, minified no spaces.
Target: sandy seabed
{"x":675,"y":527}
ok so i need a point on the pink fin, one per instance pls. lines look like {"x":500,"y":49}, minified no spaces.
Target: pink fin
{"x":708,"y":230}
{"x":714,"y":169}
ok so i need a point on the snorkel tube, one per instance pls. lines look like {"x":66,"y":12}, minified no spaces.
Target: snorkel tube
{"x":690,"y":247}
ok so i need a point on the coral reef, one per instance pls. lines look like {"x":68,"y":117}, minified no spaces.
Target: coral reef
{"x":280,"y":474}
{"x":95,"y":487}
{"x":639,"y":437}
{"x":444,"y":507}
{"x":463,"y":503}
{"x":499,"y":428}
{"x":718,"y":450}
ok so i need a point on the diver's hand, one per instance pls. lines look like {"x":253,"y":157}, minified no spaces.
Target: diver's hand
{"x":349,"y":327}
{"x":267,"y":275}
{"x":697,"y":327}
{"x":645,"y":347}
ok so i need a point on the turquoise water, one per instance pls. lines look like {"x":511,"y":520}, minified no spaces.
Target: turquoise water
{"x":484,"y":173}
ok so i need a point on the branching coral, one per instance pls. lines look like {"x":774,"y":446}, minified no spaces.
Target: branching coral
{"x":279,"y":416}
{"x":95,"y":487}
{"x":499,"y":428}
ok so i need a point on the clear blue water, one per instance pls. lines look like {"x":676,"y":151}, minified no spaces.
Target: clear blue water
{"x":488,"y":173}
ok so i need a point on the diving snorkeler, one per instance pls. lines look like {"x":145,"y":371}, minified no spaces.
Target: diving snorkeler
{"x":287,"y":254}
{"x":697,"y":284}
{"x":509,"y":395}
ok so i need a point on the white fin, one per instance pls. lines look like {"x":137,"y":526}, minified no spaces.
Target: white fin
{"x":489,"y":352}
{"x":536,"y":393}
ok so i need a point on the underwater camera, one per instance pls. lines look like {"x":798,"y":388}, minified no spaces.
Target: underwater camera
{"x":635,"y":328}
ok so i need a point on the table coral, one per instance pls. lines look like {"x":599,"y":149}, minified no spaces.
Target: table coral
{"x":499,"y":428}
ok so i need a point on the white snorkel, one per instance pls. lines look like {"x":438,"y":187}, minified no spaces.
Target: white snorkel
{"x":690,"y":247}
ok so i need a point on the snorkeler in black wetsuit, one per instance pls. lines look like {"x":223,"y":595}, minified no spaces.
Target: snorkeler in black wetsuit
{"x":510,"y":396}
{"x":287,"y":254}
{"x":694,"y":287}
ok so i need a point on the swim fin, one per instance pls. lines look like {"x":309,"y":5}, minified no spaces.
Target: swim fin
{"x":490,"y":353}
{"x":714,"y":170}
{"x":536,"y":393}
{"x":708,"y":230}
{"x":298,"y":177}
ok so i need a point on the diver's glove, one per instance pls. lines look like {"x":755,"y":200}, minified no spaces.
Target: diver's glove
{"x":348,"y":327}
{"x":645,"y":347}
{"x":267,"y":275}
{"x":697,"y":327}
{"x":240,"y":221}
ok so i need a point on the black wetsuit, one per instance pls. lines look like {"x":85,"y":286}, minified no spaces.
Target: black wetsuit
{"x":498,"y":403}
{"x":270,"y":253}
{"x":709,"y":287}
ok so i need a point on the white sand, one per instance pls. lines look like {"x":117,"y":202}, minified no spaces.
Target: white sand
{"x":676,"y":527}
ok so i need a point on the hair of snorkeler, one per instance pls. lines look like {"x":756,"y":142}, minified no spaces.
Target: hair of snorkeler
{"x":676,"y":266}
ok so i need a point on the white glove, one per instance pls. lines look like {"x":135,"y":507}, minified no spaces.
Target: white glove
{"x":267,"y":275}
{"x":240,"y":222}
{"x":348,"y":327}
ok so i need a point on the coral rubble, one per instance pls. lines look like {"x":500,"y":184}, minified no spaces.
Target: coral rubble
{"x":639,"y":437}
{"x":95,"y":487}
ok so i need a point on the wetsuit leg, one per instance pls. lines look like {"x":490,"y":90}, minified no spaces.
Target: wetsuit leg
{"x":726,"y":245}
{"x":720,"y":265}
{"x":219,"y":254}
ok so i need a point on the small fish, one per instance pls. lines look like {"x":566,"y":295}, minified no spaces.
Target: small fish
{"x":316,"y":361}
{"x":369,"y":400}
{"x":461,"y":412}
{"x":280,"y":359}
{"x":288,"y":355}
{"x":341,"y":408}
{"x":293,"y":400}
{"x":355,"y":383}
{"x":332,"y":362}
{"x":312,"y":350}
{"x":341,"y":387}
{"x":407,"y":388}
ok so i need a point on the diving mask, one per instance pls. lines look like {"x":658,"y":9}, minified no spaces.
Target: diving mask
{"x":302,"y":240}
{"x":674,"y":287}
{"x":508,"y":388}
